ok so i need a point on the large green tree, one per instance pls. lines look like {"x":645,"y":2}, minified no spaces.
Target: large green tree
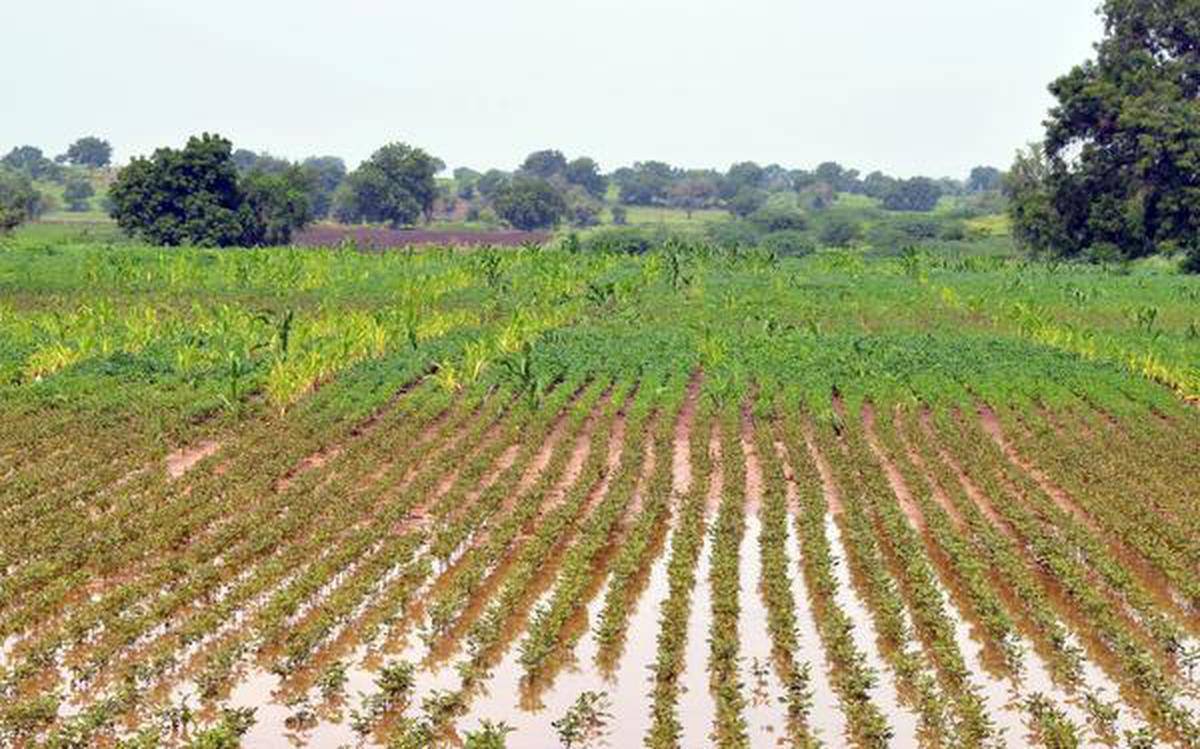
{"x":1122,"y":147}
{"x":89,"y":151}
{"x":395,"y":186}
{"x":530,"y":203}
{"x":194,"y":196}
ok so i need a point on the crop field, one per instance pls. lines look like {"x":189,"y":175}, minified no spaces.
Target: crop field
{"x":532,"y":498}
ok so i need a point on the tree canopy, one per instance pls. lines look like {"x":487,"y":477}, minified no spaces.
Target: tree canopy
{"x":89,"y":151}
{"x":194,"y":196}
{"x":1122,"y":148}
{"x":395,"y":186}
{"x":530,"y":203}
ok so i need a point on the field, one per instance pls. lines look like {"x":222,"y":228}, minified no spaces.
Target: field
{"x":683,"y":499}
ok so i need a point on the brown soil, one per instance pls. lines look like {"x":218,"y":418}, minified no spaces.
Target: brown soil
{"x":183,"y":460}
{"x":681,"y":464}
{"x":833,"y":495}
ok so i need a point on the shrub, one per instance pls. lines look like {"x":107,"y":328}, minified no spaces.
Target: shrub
{"x":19,"y":201}
{"x":789,"y":242}
{"x":839,"y":231}
{"x":734,"y":234}
{"x":771,"y":218}
{"x":620,"y":215}
{"x":625,"y":240}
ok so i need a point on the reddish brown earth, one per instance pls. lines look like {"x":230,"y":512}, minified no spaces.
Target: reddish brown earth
{"x":370,"y":238}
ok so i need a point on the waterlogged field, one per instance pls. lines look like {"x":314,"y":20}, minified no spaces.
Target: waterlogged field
{"x":537,"y":499}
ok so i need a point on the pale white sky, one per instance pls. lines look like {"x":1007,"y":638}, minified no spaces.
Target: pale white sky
{"x":921,"y":87}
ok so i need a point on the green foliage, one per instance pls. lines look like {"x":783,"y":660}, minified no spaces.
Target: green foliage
{"x":194,"y":196}
{"x":839,"y":231}
{"x":789,"y":242}
{"x":916,"y":194}
{"x":325,"y":175}
{"x":30,"y":161}
{"x":773,"y":218}
{"x":585,"y":173}
{"x":77,"y":192}
{"x":395,"y":186}
{"x":278,"y":204}
{"x":89,"y":151}
{"x":746,"y":201}
{"x":1122,"y":143}
{"x":489,"y":735}
{"x":529,"y":203}
{"x":585,"y":722}
{"x":186,"y":196}
{"x":18,"y":199}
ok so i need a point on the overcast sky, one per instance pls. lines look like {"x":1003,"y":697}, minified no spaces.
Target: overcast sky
{"x":921,"y":87}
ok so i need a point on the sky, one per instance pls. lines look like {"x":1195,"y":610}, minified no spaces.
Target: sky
{"x":929,"y":87}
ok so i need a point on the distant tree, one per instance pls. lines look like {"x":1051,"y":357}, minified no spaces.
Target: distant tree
{"x":878,"y":185}
{"x":620,"y":215}
{"x":985,"y":179}
{"x":324,"y":175}
{"x":585,"y":172}
{"x":840,"y":231}
{"x":695,"y":191}
{"x":465,"y":182}
{"x":916,"y":194}
{"x":545,"y":165}
{"x":244,"y":159}
{"x":645,"y":183}
{"x":838,"y":177}
{"x":248,"y":161}
{"x":77,"y":192}
{"x":396,"y":185}
{"x":277,"y":204}
{"x":776,"y":178}
{"x":530,"y":203}
{"x":492,"y":182}
{"x":89,"y":151}
{"x":774,"y":218}
{"x":742,"y":176}
{"x":32,"y":162}
{"x":185,"y":196}
{"x":18,"y":199}
{"x":1122,"y":144}
{"x":746,"y":201}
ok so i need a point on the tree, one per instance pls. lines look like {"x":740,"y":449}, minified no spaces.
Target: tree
{"x":396,"y":185}
{"x":77,"y":192}
{"x":838,"y":177}
{"x":916,"y":194}
{"x":743,"y":176}
{"x":645,"y":183}
{"x":89,"y":151}
{"x":325,"y":174}
{"x":696,"y":191}
{"x":878,"y":185}
{"x":277,"y":204}
{"x":773,"y":218}
{"x":585,"y":172}
{"x":747,"y":201}
{"x":840,"y":231}
{"x":32,"y":162}
{"x":546,"y":164}
{"x":492,"y":182}
{"x":193,"y":196}
{"x":1122,"y":144}
{"x":985,"y":179}
{"x":1036,"y":223}
{"x":18,"y":199}
{"x":530,"y":203}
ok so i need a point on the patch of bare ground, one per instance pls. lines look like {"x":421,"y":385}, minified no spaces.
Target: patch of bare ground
{"x":681,"y":463}
{"x":184,"y":459}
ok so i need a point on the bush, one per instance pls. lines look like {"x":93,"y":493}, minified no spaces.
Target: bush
{"x":625,"y":240}
{"x":529,"y":203}
{"x":771,"y":218}
{"x":734,"y":234}
{"x":77,"y":193}
{"x":19,"y":201}
{"x":1191,"y":262}
{"x":839,"y":231}
{"x":789,"y":242}
{"x":620,"y":215}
